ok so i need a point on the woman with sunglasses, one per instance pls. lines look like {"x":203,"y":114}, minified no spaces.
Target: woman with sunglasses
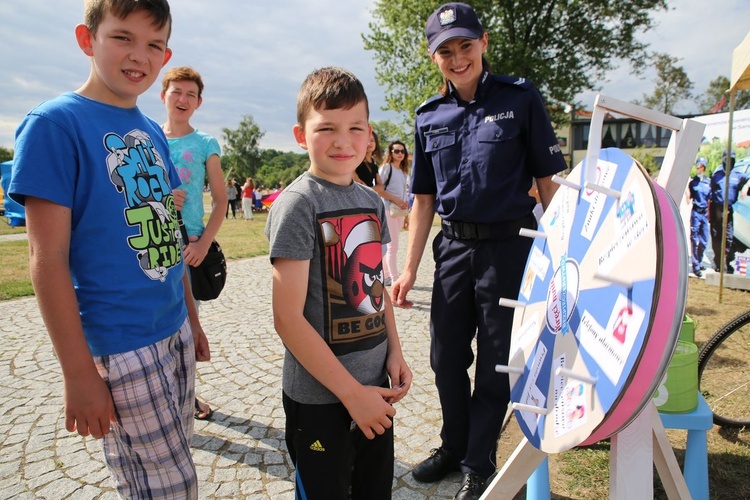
{"x":477,"y":147}
{"x":394,"y":174}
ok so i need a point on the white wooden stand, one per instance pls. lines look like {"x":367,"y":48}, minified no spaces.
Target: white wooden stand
{"x":644,"y":441}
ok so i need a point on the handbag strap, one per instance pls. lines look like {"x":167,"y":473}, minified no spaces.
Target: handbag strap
{"x":390,"y":173}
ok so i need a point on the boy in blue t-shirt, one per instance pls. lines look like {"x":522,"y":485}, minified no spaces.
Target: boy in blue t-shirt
{"x":105,"y":254}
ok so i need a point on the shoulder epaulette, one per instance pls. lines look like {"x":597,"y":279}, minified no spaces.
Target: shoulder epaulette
{"x":523,"y":83}
{"x":429,"y":100}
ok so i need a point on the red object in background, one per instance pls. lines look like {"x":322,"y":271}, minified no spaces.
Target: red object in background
{"x":718,"y":105}
{"x":268,"y":199}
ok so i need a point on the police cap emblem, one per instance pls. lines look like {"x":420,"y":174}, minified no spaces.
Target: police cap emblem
{"x":448,"y":16}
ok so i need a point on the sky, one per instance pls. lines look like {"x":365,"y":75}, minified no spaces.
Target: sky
{"x":253,"y":56}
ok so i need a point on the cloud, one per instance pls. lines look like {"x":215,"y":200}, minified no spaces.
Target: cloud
{"x":254,"y":57}
{"x":700,"y":34}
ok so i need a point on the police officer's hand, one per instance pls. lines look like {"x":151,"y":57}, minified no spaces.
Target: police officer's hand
{"x":400,"y":288}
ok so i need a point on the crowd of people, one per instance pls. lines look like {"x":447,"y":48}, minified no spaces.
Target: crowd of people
{"x":127,"y":330}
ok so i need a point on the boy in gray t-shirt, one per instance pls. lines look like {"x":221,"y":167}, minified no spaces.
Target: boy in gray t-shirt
{"x":329,"y":303}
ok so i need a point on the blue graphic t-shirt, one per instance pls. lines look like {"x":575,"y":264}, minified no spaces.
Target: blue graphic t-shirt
{"x":189,"y":155}
{"x":111,"y":167}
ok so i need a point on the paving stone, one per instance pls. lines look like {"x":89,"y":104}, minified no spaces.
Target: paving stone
{"x":60,"y":488}
{"x":241,"y":452}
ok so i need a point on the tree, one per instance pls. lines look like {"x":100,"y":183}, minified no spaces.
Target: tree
{"x":717,"y":91}
{"x":5,"y":154}
{"x":672,"y":84}
{"x":389,"y":131}
{"x":241,"y":151}
{"x":564,"y":46}
{"x":645,"y":157}
{"x":280,"y":167}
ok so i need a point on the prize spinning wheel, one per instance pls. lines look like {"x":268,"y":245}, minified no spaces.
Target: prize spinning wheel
{"x":600,"y":306}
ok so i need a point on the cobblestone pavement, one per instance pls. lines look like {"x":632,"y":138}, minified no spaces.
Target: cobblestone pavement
{"x":241,"y":452}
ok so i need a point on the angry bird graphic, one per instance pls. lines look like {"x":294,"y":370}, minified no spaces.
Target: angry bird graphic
{"x":363,"y":272}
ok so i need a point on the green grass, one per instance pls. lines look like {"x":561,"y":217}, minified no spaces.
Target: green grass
{"x":238,"y":238}
{"x":241,"y":238}
{"x":14,"y":271}
{"x":6,"y":228}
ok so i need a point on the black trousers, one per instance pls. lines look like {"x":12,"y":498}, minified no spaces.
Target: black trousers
{"x":716,"y":219}
{"x":470,"y":277}
{"x":333,"y":458}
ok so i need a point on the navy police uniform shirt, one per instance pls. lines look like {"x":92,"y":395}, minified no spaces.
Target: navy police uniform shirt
{"x":737,"y":181}
{"x":700,"y":192}
{"x":478,"y":158}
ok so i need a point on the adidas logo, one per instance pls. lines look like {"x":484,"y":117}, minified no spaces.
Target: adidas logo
{"x":316,"y":446}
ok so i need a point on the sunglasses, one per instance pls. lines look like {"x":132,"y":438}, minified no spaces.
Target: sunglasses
{"x":398,"y":151}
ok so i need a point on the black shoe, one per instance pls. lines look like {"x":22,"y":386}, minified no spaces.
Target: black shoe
{"x":698,"y":273}
{"x":472,"y":487}
{"x":435,"y":467}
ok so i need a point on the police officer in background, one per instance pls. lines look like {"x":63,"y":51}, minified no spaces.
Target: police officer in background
{"x":737,"y":181}
{"x":478,"y":145}
{"x":700,"y":192}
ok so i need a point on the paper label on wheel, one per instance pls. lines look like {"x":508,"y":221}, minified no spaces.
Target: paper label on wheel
{"x":532,"y":395}
{"x":611,"y":346}
{"x":528,"y":332}
{"x":572,"y":411}
{"x":632,"y":225}
{"x":605,"y":174}
{"x":562,"y":213}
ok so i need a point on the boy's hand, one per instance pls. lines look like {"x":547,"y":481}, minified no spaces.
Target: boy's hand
{"x":195,"y":251}
{"x":400,"y":375}
{"x":370,"y":410}
{"x":202,"y":351}
{"x":179,"y":198}
{"x":88,"y":406}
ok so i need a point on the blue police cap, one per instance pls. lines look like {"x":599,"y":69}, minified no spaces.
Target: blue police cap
{"x":701,"y":161}
{"x":452,"y":20}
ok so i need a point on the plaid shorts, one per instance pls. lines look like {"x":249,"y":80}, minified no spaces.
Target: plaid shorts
{"x":153,"y":388}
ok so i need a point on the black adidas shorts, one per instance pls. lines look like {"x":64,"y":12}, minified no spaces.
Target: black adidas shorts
{"x":333,"y":458}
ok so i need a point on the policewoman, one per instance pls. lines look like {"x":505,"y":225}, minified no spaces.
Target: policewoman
{"x":477,"y":146}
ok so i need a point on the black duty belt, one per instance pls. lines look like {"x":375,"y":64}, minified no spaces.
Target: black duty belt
{"x":457,"y":230}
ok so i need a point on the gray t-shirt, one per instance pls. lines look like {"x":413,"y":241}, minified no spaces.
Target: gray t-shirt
{"x":340,"y":230}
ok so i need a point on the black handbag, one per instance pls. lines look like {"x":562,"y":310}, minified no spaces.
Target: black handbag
{"x":208,"y":279}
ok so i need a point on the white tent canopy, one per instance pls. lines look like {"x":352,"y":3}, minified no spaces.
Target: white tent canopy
{"x":740,"y":80}
{"x":741,"y":66}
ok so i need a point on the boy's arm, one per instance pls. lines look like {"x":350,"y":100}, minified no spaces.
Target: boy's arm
{"x":196,"y":251}
{"x":202,"y":351}
{"x":398,"y":370}
{"x":88,"y":402}
{"x":367,"y":405}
